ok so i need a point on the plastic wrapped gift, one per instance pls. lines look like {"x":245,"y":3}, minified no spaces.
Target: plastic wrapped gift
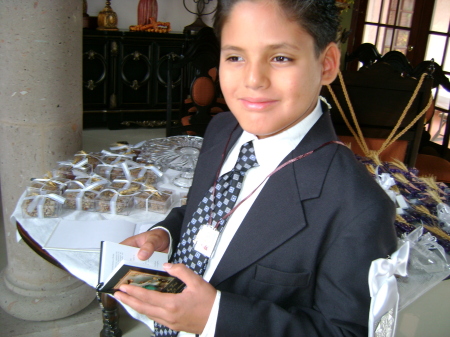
{"x":427,"y":266}
{"x":70,"y":170}
{"x":114,"y":202}
{"x":154,"y":201}
{"x":46,"y":186}
{"x":42,"y":206}
{"x":115,"y":158}
{"x":94,"y":179}
{"x":127,"y":149}
{"x":80,"y":200}
{"x":109,"y":172}
{"x":92,"y":158}
{"x":149,"y":174}
{"x":81,"y":197}
{"x":114,"y":171}
{"x":152,"y":175}
{"x":126,"y":185}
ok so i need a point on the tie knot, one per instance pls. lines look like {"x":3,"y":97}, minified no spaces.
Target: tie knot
{"x":246,"y":158}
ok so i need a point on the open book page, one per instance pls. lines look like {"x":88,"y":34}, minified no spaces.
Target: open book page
{"x":87,"y":235}
{"x":113,"y":253}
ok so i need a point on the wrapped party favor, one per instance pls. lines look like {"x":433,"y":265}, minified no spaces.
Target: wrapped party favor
{"x":46,"y":186}
{"x":82,"y":197}
{"x":154,"y":201}
{"x":70,"y":170}
{"x":42,"y":206}
{"x":127,"y":149}
{"x":114,"y":202}
{"x":93,"y":159}
{"x":115,"y":158}
{"x":427,"y":266}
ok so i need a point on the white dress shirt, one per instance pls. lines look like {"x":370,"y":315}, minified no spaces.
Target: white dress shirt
{"x":269,"y":153}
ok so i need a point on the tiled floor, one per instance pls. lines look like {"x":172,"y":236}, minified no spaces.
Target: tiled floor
{"x":428,"y":316}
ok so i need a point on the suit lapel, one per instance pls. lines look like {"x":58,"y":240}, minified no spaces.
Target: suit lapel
{"x":267,"y":218}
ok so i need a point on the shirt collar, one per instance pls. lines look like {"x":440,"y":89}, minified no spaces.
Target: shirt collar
{"x":271,"y":150}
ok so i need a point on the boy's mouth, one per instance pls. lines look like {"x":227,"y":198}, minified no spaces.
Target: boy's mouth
{"x":257,"y":104}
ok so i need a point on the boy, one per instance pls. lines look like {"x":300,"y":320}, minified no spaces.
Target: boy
{"x":293,"y":257}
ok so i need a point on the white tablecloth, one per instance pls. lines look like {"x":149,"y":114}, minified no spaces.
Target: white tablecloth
{"x":84,"y":265}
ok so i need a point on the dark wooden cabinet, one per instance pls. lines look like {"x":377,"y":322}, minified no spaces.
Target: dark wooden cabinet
{"x":125,"y":75}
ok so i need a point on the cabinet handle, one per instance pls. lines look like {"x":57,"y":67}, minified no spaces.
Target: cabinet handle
{"x":174,"y":57}
{"x":136,"y":56}
{"x":91,"y":55}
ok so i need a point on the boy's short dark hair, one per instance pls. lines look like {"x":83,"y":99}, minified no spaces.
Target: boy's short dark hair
{"x":320,"y":18}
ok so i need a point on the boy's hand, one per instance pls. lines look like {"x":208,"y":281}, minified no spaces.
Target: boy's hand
{"x":155,"y":240}
{"x":187,"y":311}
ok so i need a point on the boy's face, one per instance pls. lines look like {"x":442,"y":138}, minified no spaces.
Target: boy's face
{"x":269,"y":73}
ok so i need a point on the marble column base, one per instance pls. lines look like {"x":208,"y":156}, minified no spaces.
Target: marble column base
{"x":71,"y":296}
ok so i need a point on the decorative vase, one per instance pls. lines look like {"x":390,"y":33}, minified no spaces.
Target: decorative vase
{"x":147,"y":9}
{"x":107,"y":18}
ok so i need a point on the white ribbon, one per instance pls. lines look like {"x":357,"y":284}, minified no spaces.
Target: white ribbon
{"x":132,"y":164}
{"x":104,"y":170}
{"x":126,"y":171}
{"x":112,"y":201}
{"x":78,"y":165}
{"x":384,"y":291}
{"x":155,"y":170}
{"x":386,"y":181}
{"x":127,"y":147}
{"x":118,"y":156}
{"x":60,"y":184}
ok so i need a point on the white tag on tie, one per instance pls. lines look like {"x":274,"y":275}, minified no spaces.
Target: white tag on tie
{"x":206,"y":240}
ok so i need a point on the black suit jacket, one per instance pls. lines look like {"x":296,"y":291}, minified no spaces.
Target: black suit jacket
{"x":298,"y":264}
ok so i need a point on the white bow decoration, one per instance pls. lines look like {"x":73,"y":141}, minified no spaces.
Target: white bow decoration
{"x":384,"y":292}
{"x":386,"y":181}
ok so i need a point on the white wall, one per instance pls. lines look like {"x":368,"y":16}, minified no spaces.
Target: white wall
{"x":172,"y":11}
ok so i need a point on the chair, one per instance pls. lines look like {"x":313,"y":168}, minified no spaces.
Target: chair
{"x":366,"y":53}
{"x":379,"y":95}
{"x":398,"y":61}
{"x":200,"y":70}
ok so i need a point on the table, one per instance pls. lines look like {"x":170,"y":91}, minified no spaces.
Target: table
{"x":84,"y":265}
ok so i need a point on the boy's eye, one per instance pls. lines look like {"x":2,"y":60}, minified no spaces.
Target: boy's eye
{"x":234,"y":58}
{"x":281,"y":59}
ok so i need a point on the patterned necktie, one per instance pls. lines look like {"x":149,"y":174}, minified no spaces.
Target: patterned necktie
{"x":226,"y":192}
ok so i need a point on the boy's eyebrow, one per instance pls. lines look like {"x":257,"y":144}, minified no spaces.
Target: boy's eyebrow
{"x":269,"y":47}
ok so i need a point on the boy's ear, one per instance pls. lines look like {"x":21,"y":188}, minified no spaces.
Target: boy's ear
{"x":331,"y":58}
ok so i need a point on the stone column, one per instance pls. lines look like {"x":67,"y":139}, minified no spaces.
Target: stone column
{"x":40,"y":124}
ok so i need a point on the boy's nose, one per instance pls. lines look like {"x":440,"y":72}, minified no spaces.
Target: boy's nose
{"x":256,"y":76}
